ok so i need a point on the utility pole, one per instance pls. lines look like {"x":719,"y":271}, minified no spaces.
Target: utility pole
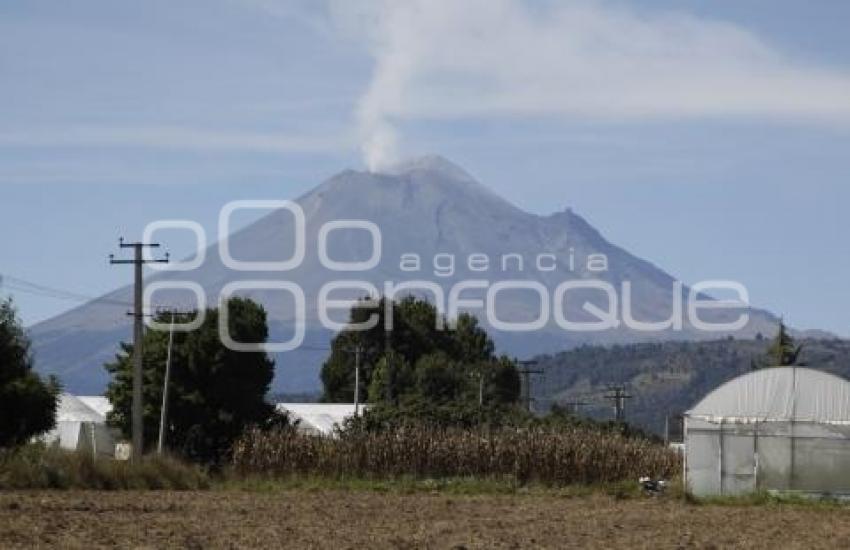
{"x":526,"y":371}
{"x":574,"y":407}
{"x":479,"y":373}
{"x":138,"y":262}
{"x":480,"y":389}
{"x":388,"y":353}
{"x":163,"y":411}
{"x":618,"y":394}
{"x":357,"y":350}
{"x":357,"y":380}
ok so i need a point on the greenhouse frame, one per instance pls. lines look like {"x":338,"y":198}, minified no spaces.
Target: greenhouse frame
{"x":774,"y":429}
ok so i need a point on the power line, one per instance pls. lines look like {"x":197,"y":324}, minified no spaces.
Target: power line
{"x":18,"y":284}
{"x":22,"y":285}
{"x":314,"y":347}
{"x":29,"y":287}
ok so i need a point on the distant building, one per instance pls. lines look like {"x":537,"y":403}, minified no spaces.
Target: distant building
{"x":319,"y":418}
{"x":774,"y":429}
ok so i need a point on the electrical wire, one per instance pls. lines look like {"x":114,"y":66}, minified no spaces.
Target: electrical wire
{"x":28,"y":287}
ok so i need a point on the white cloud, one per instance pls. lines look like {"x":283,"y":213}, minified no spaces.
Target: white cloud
{"x":176,"y":138}
{"x":597,"y":60}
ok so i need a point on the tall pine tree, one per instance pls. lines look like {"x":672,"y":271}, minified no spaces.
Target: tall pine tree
{"x":783,"y":351}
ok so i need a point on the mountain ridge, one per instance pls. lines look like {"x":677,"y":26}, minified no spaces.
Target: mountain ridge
{"x":427,"y":206}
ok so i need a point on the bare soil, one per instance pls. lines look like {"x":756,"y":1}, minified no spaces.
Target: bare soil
{"x":367,"y":519}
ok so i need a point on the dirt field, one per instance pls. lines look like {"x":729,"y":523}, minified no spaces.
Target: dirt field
{"x":367,"y":519}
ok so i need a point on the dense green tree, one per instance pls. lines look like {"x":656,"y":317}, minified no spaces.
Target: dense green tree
{"x":438,"y":378}
{"x":391,"y":372}
{"x":214,"y":392}
{"x":501,"y":380}
{"x":27,"y":403}
{"x":416,"y":361}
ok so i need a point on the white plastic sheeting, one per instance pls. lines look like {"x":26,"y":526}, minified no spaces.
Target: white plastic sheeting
{"x":319,"y":418}
{"x":781,"y":428}
{"x":72,"y":409}
{"x":79,"y":427}
{"x":97,"y":403}
{"x":777,"y":394}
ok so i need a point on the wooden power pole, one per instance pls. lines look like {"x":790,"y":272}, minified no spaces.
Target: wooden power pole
{"x":618,"y":395}
{"x":138,"y":262}
{"x":357,"y":350}
{"x":526,"y":371}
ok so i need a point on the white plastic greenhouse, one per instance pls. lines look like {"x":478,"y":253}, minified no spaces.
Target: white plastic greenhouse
{"x":780,"y":428}
{"x":319,"y":418}
{"x":81,"y":426}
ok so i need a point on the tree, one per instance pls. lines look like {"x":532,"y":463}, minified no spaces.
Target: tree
{"x":439,"y":378}
{"x":27,"y":403}
{"x":782,"y":352}
{"x":214,"y":392}
{"x":416,"y":361}
{"x":502,"y":381}
{"x":392,"y":371}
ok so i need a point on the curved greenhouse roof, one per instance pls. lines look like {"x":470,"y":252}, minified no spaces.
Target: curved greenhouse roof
{"x":778,"y":394}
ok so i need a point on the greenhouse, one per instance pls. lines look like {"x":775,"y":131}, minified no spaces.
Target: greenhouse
{"x":319,"y":418}
{"x":81,"y":426}
{"x":774,"y":429}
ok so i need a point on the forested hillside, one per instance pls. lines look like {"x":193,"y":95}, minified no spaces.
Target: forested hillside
{"x":662,"y":378}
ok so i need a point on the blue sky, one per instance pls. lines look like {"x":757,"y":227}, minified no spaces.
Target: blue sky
{"x":711,"y":138}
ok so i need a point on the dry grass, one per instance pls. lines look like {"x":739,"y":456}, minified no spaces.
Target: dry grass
{"x":40,"y":467}
{"x":369,"y":519}
{"x":553,"y":457}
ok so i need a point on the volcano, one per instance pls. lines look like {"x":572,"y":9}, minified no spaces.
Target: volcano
{"x":437,"y":224}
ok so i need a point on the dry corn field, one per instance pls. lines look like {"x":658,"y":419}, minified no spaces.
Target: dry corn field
{"x":562,"y":457}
